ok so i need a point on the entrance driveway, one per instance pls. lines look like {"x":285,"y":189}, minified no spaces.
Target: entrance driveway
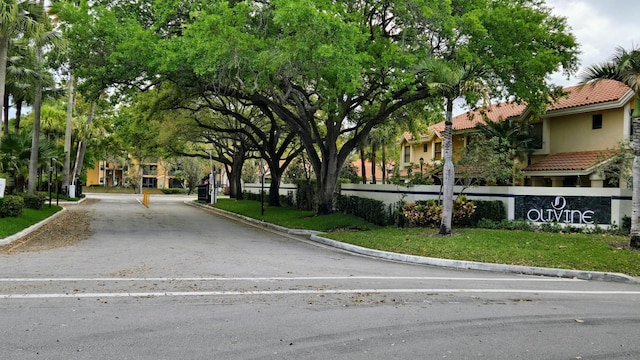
{"x":173,"y":281}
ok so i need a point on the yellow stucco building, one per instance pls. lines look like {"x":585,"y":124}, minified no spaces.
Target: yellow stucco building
{"x":153,"y":174}
{"x":575,"y":134}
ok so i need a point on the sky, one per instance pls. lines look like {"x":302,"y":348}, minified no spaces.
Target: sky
{"x":600,"y":26}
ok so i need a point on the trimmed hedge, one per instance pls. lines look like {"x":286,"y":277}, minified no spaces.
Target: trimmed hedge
{"x":174,"y":191}
{"x":491,"y":210}
{"x":35,"y":201}
{"x":11,"y":206}
{"x":373,"y":211}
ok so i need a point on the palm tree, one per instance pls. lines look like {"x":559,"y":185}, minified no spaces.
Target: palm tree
{"x":41,"y":39}
{"x":624,"y":66}
{"x":515,"y":133}
{"x":18,"y":18}
{"x":451,"y":82}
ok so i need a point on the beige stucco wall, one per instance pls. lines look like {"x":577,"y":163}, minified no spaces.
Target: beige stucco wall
{"x":571,"y":133}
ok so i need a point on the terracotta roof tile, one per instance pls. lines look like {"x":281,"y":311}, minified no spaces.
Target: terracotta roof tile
{"x":494,"y":112}
{"x":594,"y":93}
{"x":569,"y":161}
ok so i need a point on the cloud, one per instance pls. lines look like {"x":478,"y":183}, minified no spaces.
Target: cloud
{"x":599,"y":27}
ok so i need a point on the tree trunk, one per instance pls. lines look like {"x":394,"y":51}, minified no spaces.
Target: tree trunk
{"x":16,"y":125}
{"x":77,"y":169}
{"x":274,"y":187}
{"x":66,"y":169}
{"x":362,"y":165}
{"x":384,"y":163}
{"x":4,"y":48}
{"x":373,"y":163}
{"x":448,"y":173}
{"x":35,"y":137}
{"x":5,"y":113}
{"x":326,"y":185}
{"x":235,"y":176}
{"x":634,"y":240}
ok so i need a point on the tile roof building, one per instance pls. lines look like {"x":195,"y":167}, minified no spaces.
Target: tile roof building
{"x":577,"y":132}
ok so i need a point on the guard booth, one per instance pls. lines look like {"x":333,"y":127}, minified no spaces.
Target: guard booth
{"x":203,"y":193}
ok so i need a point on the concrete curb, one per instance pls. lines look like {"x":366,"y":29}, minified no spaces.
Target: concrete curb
{"x":421,"y":260}
{"x":34,"y":227}
{"x":30,"y":229}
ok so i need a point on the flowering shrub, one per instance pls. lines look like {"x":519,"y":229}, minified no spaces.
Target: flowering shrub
{"x":429,"y":213}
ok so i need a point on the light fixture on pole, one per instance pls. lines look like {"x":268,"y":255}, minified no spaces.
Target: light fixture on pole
{"x":421,"y":164}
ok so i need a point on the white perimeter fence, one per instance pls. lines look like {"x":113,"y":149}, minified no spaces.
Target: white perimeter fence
{"x":580,"y":206}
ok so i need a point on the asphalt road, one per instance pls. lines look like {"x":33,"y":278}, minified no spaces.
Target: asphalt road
{"x":177,"y":282}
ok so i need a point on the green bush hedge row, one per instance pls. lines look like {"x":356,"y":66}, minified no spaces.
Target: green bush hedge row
{"x":373,"y":211}
{"x":12,"y":205}
{"x":524,"y":225}
{"x":34,"y":201}
{"x":174,"y":191}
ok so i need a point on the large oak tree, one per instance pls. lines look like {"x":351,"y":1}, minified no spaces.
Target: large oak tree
{"x":333,"y":71}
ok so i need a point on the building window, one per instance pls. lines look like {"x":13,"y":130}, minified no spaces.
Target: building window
{"x":437,"y":151}
{"x":101,"y":180}
{"x":536,"y":134}
{"x":596,"y":121}
{"x":407,"y":154}
{"x":425,"y":148}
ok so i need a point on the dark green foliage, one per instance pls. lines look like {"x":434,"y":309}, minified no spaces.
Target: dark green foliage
{"x":174,"y":191}
{"x":626,"y":225}
{"x":287,"y":200}
{"x":505,"y":224}
{"x":255,"y":196}
{"x":11,"y":206}
{"x":373,"y":211}
{"x":34,"y":201}
{"x":305,"y":194}
{"x":492,"y":210}
{"x":349,"y":172}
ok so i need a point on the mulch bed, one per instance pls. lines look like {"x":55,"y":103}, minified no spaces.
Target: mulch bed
{"x":68,"y":228}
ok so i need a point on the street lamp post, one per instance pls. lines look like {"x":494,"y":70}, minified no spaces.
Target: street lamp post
{"x":263,"y":171}
{"x":50,"y":174}
{"x":421,"y":164}
{"x":57,"y":190}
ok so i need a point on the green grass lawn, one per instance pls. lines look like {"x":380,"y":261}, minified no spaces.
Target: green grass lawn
{"x":592,"y":252}
{"x":292,"y":218}
{"x":12,"y":225}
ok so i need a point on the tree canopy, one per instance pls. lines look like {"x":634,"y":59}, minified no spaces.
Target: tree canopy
{"x":329,"y":71}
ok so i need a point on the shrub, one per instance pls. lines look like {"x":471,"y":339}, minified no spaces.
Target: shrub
{"x":11,"y":206}
{"x":423,"y":213}
{"x":173,"y":191}
{"x":463,"y":211}
{"x":255,"y":196}
{"x":429,"y":213}
{"x":373,"y":211}
{"x":34,"y":201}
{"x":492,"y":210}
{"x":287,"y":199}
{"x":505,"y":224}
{"x":625,"y":228}
{"x":305,"y":194}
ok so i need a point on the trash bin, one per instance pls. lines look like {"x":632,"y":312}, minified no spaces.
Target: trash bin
{"x":203,"y":193}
